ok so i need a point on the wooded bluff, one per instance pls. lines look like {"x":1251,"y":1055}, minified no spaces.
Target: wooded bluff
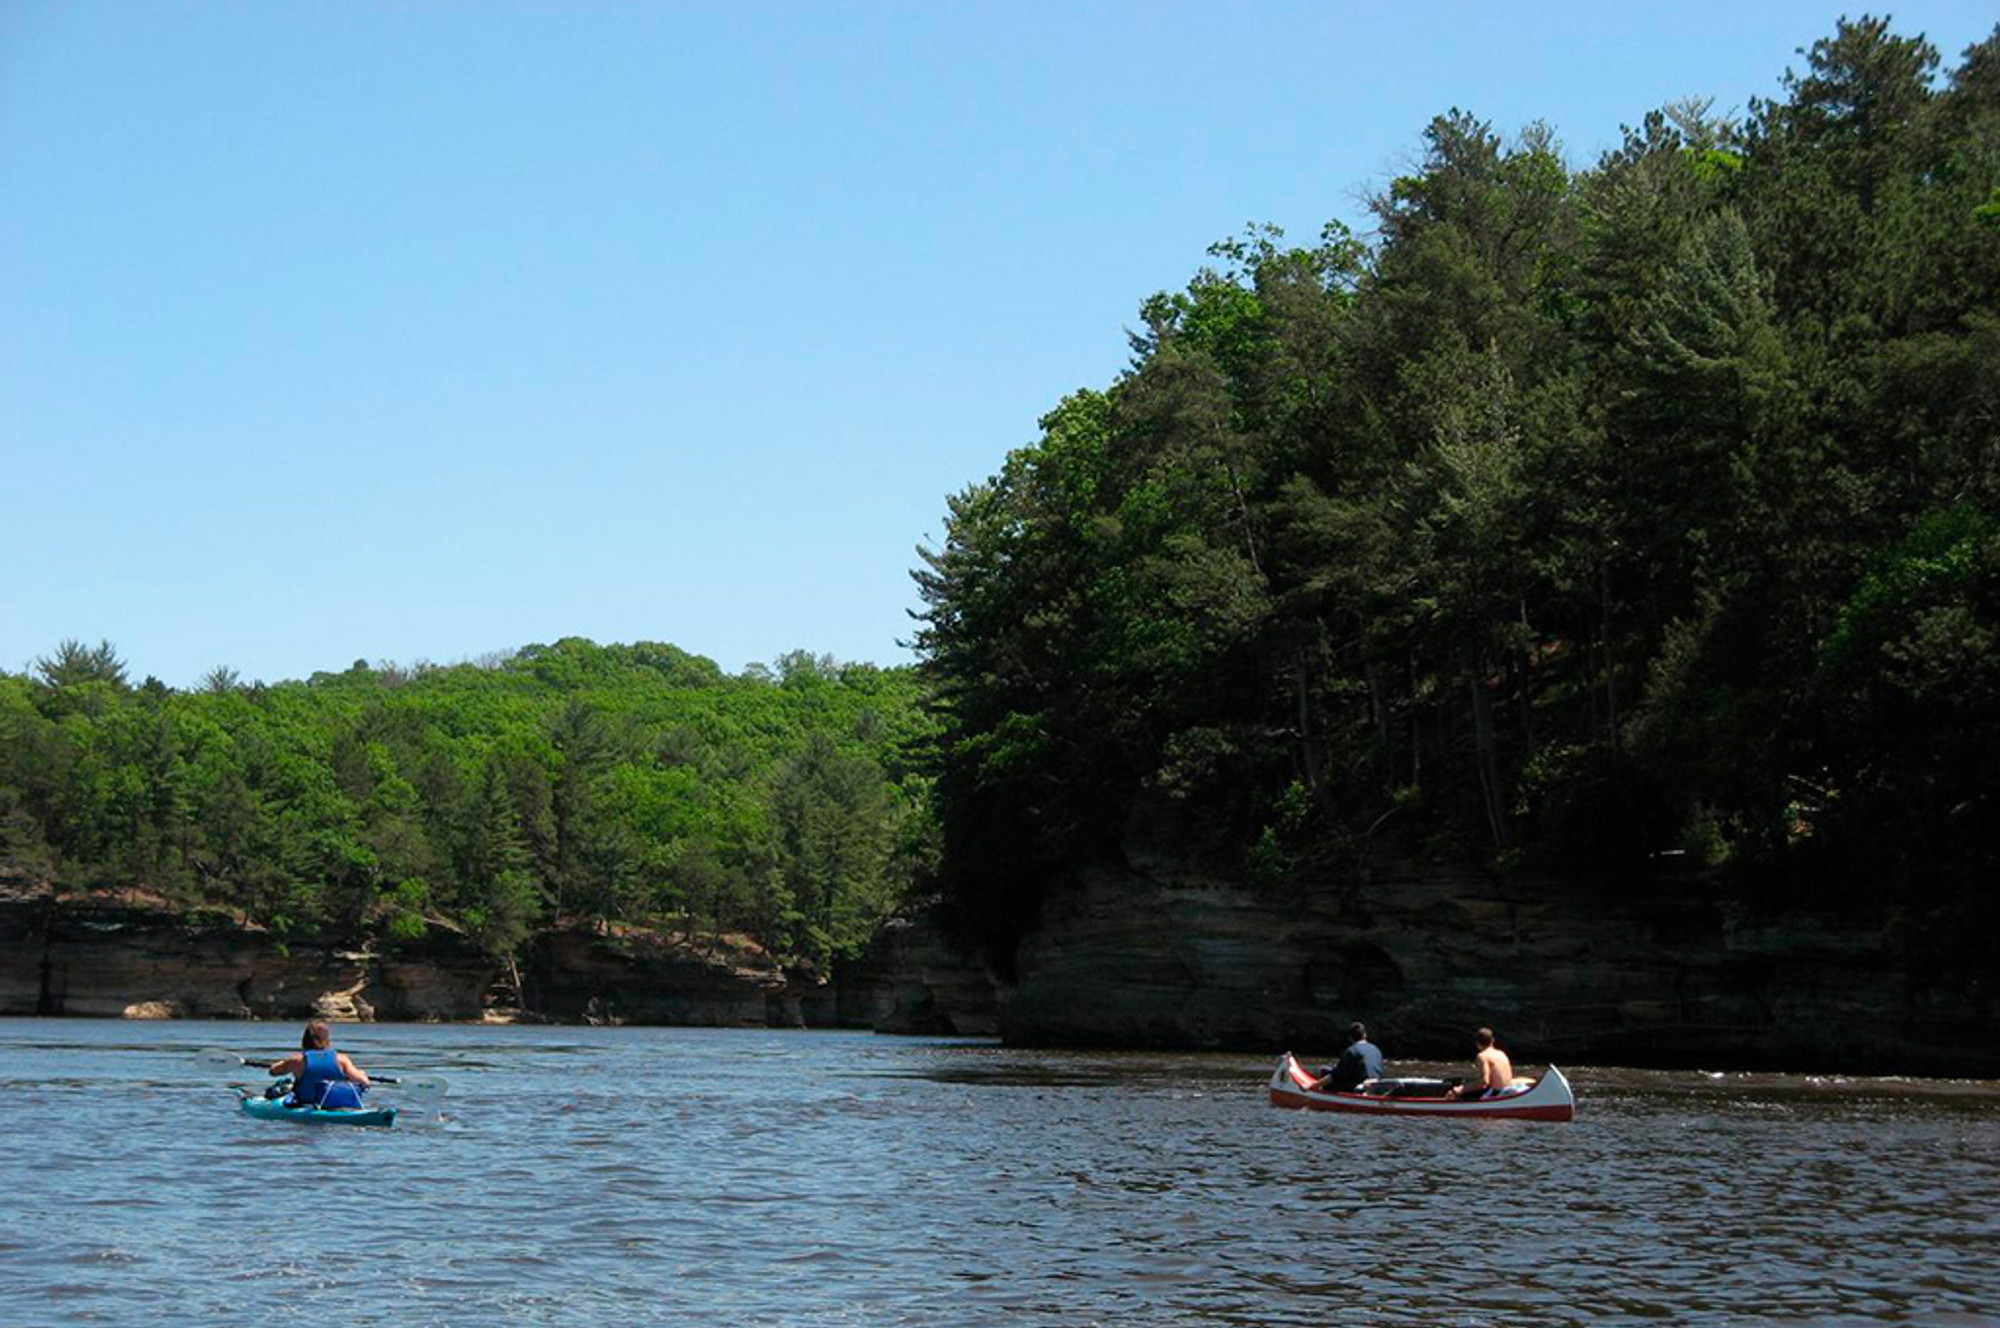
{"x":558,"y":785}
{"x":1581,"y":523}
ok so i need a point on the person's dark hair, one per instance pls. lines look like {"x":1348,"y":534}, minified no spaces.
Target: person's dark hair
{"x":1484,"y":1037}
{"x":1358,"y":1031}
{"x":318,"y":1036}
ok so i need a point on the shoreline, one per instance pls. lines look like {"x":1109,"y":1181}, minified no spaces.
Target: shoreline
{"x":1710,"y":1072}
{"x":1676,"y":976}
{"x":108,"y":953}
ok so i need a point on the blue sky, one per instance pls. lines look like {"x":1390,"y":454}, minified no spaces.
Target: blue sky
{"x":423,"y":330}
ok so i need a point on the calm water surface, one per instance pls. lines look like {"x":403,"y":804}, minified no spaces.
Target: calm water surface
{"x":638,"y":1176}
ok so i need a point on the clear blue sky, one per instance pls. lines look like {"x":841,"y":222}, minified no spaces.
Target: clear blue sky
{"x":422,"y":330}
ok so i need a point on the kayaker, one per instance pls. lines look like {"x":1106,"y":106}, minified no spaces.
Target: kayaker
{"x":321,"y":1076}
{"x":1495,"y":1070}
{"x":1361,"y":1061}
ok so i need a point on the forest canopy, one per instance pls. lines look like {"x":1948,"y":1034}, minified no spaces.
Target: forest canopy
{"x":1576,"y":520}
{"x":566,"y":783}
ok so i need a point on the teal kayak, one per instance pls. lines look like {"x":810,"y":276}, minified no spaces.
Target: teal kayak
{"x":272,"y":1108}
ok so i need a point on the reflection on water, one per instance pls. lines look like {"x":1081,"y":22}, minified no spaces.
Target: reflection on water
{"x":595,"y":1176}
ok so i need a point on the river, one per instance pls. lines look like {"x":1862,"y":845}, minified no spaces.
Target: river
{"x":580,"y":1176}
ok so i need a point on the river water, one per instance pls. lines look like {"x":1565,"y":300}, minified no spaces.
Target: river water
{"x":581,"y":1176}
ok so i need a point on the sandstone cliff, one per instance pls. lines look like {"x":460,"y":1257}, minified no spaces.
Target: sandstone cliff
{"x":911,"y":980}
{"x":636,"y":977}
{"x":125,"y":952}
{"x":1662,"y":971}
{"x":1666,"y":971}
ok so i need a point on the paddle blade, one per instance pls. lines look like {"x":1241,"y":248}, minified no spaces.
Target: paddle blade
{"x":216,"y":1056}
{"x":420,"y":1096}
{"x":420,"y":1092}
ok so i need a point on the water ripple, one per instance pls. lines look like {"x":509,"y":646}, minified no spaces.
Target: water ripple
{"x":579,"y":1177}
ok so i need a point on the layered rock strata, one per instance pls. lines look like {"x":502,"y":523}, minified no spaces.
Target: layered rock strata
{"x":911,"y":980}
{"x":112,"y":953}
{"x":585,"y":976}
{"x":125,"y":953}
{"x":1664,"y":971}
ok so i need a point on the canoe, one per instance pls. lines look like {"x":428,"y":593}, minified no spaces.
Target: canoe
{"x":1546,"y":1098}
{"x":271,"y":1108}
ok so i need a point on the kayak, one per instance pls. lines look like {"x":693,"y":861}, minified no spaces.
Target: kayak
{"x":273,"y":1108}
{"x":1546,"y":1098}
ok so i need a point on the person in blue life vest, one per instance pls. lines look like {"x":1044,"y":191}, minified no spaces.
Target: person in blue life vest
{"x":321,"y":1076}
{"x":1360,"y":1062}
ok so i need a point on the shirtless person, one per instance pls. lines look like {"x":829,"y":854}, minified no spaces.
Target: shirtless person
{"x":1495,"y":1070}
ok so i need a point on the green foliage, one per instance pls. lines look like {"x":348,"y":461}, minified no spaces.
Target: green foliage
{"x":1987,"y":214}
{"x":629,"y":784}
{"x":74,"y":664}
{"x":1585,"y":518}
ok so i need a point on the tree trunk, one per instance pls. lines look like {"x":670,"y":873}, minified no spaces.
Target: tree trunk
{"x":1416,"y":734}
{"x":1309,"y":755}
{"x":1486,"y":748}
{"x":1378,"y":703}
{"x":1610,"y":669}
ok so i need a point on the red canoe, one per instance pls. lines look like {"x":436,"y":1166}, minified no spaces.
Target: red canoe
{"x":1547,"y":1098}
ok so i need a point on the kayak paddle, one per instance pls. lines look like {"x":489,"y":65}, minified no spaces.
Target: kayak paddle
{"x":225,"y":1059}
{"x":417,"y":1085}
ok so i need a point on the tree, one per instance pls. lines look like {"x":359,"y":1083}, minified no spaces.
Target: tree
{"x":832,"y":831}
{"x":74,"y":663}
{"x":499,"y":899}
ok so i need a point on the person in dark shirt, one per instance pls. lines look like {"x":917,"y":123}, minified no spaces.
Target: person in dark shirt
{"x":1361,"y":1061}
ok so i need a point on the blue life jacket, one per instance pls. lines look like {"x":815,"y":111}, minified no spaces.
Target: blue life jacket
{"x":321,"y":1084}
{"x":341,"y":1094}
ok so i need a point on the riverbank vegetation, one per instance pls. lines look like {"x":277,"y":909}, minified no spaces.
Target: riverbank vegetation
{"x":1580,"y":519}
{"x":623,"y":784}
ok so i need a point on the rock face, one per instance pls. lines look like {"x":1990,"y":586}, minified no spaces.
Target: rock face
{"x":643,"y":978}
{"x":911,"y":980}
{"x":440,"y":976}
{"x":124,"y":953}
{"x":1646,"y":972}
{"x":1663,"y":971}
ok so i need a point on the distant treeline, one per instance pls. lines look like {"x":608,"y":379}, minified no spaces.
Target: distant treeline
{"x":571,"y":782}
{"x":1582,"y":519}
